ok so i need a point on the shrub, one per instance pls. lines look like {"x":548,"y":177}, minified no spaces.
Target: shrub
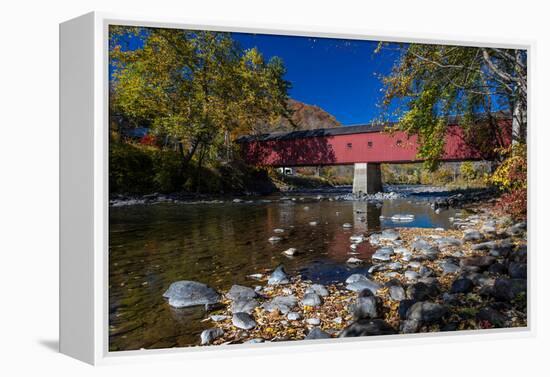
{"x":511,"y":178}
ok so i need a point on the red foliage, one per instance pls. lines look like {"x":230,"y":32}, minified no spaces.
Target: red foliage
{"x":148,"y":140}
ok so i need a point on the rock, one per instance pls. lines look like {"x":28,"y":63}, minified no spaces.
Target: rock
{"x":426,"y":312}
{"x":404,"y":306}
{"x":244,"y":305}
{"x":489,"y":228}
{"x":313,"y":223}
{"x":239,"y":292}
{"x":209,"y":335}
{"x":421,"y":291}
{"x":278,"y":276}
{"x":254,"y":341}
{"x":356,"y":239}
{"x":509,"y":289}
{"x":425,"y":271}
{"x":411,"y":275}
{"x":311,"y":299}
{"x":360,"y":285}
{"x":274,"y":239}
{"x":389,"y":235}
{"x":293,"y":316}
{"x":517,"y":229}
{"x":367,"y":327}
{"x":405,"y":218}
{"x":462,"y":286}
{"x":317,"y":333}
{"x":238,"y":200}
{"x":353,"y":260}
{"x":517,"y":270}
{"x":218,"y":318}
{"x":318,"y":289}
{"x":497,"y":268}
{"x":397,"y":293}
{"x":500,"y":251}
{"x":448,"y":241}
{"x":401,"y":250}
{"x":449,"y":267}
{"x":186,"y":293}
{"x":347,"y":226}
{"x":410,"y":326}
{"x":313,"y":321}
{"x":278,"y":230}
{"x":355,"y":278}
{"x":480,"y":261}
{"x":281,"y":303}
{"x":451,"y":326}
{"x":484,"y":245}
{"x":290,"y":252}
{"x":366,"y":306}
{"x":472,"y":235}
{"x":383,"y":254}
{"x":492,"y":316}
{"x":243,"y":321}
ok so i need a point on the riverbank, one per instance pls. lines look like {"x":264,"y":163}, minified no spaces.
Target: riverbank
{"x":472,"y":276}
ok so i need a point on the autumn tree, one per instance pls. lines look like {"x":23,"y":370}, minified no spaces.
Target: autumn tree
{"x":429,"y":83}
{"x":196,"y":89}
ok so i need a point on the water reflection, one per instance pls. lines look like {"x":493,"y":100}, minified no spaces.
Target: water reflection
{"x":220,"y":245}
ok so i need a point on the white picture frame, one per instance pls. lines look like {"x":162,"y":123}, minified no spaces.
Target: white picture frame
{"x":84,"y":193}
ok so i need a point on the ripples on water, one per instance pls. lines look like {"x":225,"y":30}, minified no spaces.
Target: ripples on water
{"x":152,"y":246}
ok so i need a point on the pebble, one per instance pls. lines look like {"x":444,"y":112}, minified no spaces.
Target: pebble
{"x":313,"y":321}
{"x":290,"y":252}
{"x":311,"y":299}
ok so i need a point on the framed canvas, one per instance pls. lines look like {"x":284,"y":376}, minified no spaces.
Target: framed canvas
{"x":228,"y":189}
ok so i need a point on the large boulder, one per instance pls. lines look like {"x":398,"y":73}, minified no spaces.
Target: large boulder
{"x":462,"y":285}
{"x":509,"y":289}
{"x":426,"y":312}
{"x":421,"y":291}
{"x":185,"y":293}
{"x":366,"y":306}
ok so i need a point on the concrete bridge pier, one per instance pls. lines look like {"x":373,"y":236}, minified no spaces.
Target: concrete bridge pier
{"x":367,"y":178}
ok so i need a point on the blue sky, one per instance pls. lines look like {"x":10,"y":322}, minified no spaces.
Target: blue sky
{"x":338,"y":75}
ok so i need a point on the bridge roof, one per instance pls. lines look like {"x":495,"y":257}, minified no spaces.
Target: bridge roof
{"x":318,"y":132}
{"x":343,"y":130}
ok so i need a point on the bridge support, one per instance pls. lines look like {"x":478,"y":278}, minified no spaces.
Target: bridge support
{"x":367,"y":178}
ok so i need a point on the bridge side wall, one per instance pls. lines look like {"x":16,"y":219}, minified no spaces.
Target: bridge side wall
{"x":377,"y":147}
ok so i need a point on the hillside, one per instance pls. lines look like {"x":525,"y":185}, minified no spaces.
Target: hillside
{"x":305,"y":117}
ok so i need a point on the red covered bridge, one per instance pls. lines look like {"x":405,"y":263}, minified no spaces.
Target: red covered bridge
{"x":367,"y":146}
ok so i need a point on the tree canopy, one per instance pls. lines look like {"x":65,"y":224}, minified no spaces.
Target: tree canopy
{"x":429,"y":83}
{"x":194,"y":88}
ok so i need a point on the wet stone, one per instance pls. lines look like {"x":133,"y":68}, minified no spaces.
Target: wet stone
{"x":366,"y":306}
{"x":186,"y":293}
{"x":421,"y":291}
{"x":517,"y":270}
{"x":383,"y":254}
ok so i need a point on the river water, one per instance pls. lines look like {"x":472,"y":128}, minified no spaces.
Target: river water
{"x":220,"y":244}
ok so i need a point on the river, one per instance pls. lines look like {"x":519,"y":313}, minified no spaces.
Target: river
{"x":221,"y":244}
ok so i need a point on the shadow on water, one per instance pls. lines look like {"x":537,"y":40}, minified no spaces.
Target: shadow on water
{"x":221,"y":245}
